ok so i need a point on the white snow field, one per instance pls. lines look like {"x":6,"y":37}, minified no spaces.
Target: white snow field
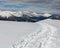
{"x":10,"y":32}
{"x":42,"y":34}
{"x":46,"y":36}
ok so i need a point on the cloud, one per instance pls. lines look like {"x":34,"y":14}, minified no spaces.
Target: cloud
{"x":27,"y":4}
{"x":48,"y":3}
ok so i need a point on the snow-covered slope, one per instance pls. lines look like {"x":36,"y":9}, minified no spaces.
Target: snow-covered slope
{"x":46,"y":36}
{"x":10,"y":32}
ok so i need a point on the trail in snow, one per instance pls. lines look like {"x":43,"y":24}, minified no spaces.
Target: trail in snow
{"x":39,"y":39}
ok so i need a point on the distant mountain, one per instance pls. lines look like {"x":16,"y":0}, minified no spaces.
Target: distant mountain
{"x":21,"y":13}
{"x":55,"y":16}
{"x":26,"y":16}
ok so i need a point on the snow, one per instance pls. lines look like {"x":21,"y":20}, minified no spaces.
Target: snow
{"x":42,"y":38}
{"x":5,"y":13}
{"x":10,"y":32}
{"x":46,"y":14}
{"x":10,"y":13}
{"x":21,"y":13}
{"x":17,"y":14}
{"x":42,"y":34}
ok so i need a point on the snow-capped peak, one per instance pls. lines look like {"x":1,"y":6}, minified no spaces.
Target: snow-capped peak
{"x":26,"y":12}
{"x":5,"y":13}
{"x":10,"y":13}
{"x":17,"y":14}
{"x":36,"y":14}
{"x":20,"y":14}
{"x":46,"y":14}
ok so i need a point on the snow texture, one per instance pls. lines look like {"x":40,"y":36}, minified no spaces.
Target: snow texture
{"x":42,"y":38}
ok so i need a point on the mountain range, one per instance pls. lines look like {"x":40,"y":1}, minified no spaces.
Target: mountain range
{"x":26,"y":16}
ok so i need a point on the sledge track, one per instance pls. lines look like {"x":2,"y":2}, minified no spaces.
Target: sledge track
{"x":42,"y":38}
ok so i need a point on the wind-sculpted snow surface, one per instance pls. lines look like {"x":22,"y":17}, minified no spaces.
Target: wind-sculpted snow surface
{"x":42,"y":38}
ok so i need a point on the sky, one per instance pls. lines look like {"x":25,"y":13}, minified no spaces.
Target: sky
{"x":33,"y":5}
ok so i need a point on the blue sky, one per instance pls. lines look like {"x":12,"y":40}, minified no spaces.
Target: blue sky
{"x":15,"y":6}
{"x":50,"y":5}
{"x":21,"y":6}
